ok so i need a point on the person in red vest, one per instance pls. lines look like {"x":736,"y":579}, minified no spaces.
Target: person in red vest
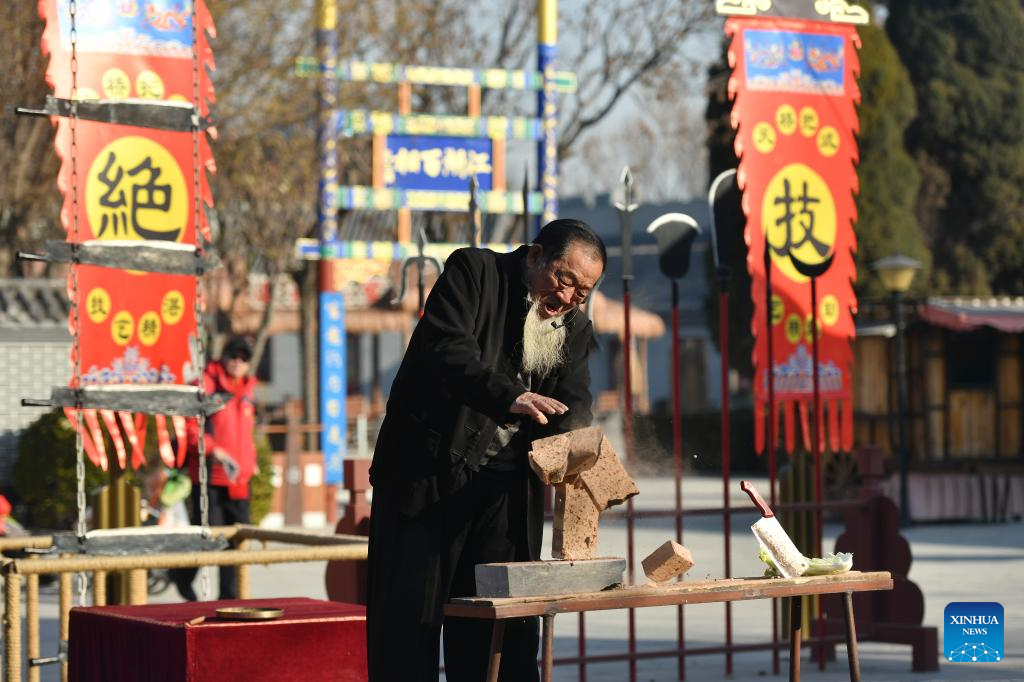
{"x":230,"y":455}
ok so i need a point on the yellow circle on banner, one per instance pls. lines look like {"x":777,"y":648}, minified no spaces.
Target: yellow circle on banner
{"x":764,"y":137}
{"x":798,"y":215}
{"x":177,"y":97}
{"x":172,"y":307}
{"x":828,"y":141}
{"x":778,"y":309}
{"x":97,"y":304}
{"x":785,"y":119}
{"x":828,"y":310}
{"x":116,"y":84}
{"x":794,"y":328}
{"x":122,"y":327}
{"x":87,"y":95}
{"x":808,"y":121}
{"x":809,"y":327}
{"x":149,"y":328}
{"x":149,"y":85}
{"x":136,"y":190}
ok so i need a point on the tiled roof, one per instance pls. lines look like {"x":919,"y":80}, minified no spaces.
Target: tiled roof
{"x":33,"y":303}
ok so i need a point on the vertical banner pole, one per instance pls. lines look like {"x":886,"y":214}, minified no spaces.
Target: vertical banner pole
{"x":724,"y":274}
{"x":333,"y":374}
{"x":816,"y":449}
{"x":626,"y":209}
{"x":547,"y":109}
{"x":327,"y":115}
{"x":723,"y":335}
{"x":677,"y":456}
{"x":770,"y":431}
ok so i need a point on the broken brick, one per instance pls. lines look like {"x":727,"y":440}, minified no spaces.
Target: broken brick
{"x":574,"y":529}
{"x":668,"y":561}
{"x":608,"y":481}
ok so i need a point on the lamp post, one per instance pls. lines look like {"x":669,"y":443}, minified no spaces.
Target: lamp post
{"x":897,"y":272}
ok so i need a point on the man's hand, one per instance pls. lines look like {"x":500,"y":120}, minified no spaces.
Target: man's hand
{"x":537,"y":406}
{"x":228,"y":463}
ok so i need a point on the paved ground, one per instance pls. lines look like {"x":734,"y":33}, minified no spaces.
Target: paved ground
{"x":952,"y":562}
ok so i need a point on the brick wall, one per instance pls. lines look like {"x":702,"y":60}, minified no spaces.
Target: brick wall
{"x":27,"y":370}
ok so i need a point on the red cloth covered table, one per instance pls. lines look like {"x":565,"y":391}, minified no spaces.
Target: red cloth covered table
{"x":313,"y":641}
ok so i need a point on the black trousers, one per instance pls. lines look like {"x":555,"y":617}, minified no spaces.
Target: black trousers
{"x":417,"y":563}
{"x":223,"y":511}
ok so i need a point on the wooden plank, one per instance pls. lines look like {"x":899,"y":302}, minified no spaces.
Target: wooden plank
{"x":1009,"y":417}
{"x":532,"y":578}
{"x":870,"y":355}
{"x":735,"y":589}
{"x":935,"y":396}
{"x":971,"y":418}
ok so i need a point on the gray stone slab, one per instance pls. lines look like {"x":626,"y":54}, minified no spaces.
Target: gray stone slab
{"x":533,"y":578}
{"x":132,"y":541}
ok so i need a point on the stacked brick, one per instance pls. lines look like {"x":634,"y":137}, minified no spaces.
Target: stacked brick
{"x":588,"y":478}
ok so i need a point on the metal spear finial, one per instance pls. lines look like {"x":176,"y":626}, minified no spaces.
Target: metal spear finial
{"x":625,"y":210}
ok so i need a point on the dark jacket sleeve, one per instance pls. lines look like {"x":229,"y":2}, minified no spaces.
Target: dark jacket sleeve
{"x":453,"y":352}
{"x":572,"y":386}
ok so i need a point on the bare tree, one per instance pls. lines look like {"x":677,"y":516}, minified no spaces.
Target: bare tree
{"x":639,"y":67}
{"x":29,"y":202}
{"x":265,"y":185}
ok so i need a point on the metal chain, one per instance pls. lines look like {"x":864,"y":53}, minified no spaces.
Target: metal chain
{"x":80,"y":529}
{"x":204,"y":497}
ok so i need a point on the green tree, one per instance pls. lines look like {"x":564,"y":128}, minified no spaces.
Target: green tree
{"x":889,"y":179}
{"x":966,"y":62}
{"x":44,"y":473}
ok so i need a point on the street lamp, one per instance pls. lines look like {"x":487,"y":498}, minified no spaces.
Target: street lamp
{"x":897,"y":272}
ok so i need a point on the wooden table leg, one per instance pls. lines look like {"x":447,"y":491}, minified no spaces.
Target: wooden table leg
{"x":851,"y":637}
{"x":547,"y":648}
{"x":494,"y":658}
{"x":795,"y":621}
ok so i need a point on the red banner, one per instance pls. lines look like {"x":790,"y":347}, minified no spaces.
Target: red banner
{"x":127,"y":183}
{"x":794,"y":89}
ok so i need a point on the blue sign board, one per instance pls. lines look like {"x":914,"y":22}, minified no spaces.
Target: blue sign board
{"x":333,"y":384}
{"x":422,"y":162}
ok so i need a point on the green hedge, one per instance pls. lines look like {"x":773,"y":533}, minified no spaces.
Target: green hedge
{"x":260,"y":487}
{"x":44,"y":473}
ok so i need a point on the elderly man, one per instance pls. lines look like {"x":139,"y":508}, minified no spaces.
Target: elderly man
{"x":498,"y":359}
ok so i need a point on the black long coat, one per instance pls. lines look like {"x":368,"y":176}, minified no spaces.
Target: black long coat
{"x":459,"y":378}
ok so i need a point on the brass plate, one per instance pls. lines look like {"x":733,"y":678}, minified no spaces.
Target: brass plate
{"x":249,"y":613}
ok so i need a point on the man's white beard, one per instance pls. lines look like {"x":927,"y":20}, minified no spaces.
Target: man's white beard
{"x":543,"y":345}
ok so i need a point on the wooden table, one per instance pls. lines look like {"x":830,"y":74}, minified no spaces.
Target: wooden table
{"x":734,"y":589}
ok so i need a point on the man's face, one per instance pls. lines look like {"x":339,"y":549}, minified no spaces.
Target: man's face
{"x":564,"y":283}
{"x":236,"y":365}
